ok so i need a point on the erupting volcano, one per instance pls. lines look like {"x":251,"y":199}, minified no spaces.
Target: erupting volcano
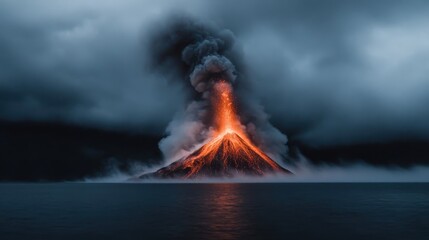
{"x":213,"y":136}
{"x":229,"y":151}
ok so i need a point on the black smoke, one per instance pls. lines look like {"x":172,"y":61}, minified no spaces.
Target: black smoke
{"x":186,"y":49}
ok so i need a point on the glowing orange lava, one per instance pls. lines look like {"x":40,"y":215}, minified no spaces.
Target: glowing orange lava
{"x":229,"y":151}
{"x":229,"y":129}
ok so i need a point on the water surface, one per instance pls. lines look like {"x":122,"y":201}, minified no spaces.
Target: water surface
{"x":214,"y":211}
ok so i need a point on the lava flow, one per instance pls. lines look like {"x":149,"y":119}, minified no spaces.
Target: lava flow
{"x":229,"y":150}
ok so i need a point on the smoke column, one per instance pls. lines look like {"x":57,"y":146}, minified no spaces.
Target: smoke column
{"x":201,"y":55}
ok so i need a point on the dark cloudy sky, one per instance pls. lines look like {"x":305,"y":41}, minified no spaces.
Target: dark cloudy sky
{"x":336,"y":71}
{"x":327,"y":72}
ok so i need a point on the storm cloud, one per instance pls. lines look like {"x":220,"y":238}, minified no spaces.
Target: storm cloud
{"x":326,"y":72}
{"x":338,"y":72}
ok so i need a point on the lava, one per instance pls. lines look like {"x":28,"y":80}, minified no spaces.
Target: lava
{"x":229,"y":150}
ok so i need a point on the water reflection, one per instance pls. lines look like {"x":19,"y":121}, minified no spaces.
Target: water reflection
{"x":222,"y":213}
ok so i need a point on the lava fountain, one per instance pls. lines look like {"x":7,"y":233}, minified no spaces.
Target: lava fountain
{"x":228,"y":151}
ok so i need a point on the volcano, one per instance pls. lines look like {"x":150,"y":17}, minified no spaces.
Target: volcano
{"x":229,"y":150}
{"x":225,"y":156}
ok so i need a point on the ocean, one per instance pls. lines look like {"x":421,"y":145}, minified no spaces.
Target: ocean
{"x":214,"y":211}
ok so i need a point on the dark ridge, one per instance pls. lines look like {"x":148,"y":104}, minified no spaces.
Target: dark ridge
{"x":406,"y":153}
{"x":32,"y":151}
{"x":56,"y":152}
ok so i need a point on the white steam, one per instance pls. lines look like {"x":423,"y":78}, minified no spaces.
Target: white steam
{"x":184,"y":132}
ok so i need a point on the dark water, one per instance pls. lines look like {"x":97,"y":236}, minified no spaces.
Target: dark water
{"x":214,"y":211}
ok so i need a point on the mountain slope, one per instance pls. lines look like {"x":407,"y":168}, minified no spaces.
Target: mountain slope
{"x":225,"y":156}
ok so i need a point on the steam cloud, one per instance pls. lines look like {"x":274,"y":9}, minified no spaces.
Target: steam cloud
{"x":202,"y":54}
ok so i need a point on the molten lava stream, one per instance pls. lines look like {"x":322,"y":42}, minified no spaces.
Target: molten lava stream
{"x":226,"y":121}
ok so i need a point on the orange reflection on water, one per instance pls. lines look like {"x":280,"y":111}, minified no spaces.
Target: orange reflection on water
{"x":222,"y":213}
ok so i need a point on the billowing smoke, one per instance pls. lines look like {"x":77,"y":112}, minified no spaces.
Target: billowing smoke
{"x":263,"y":134}
{"x":212,"y":67}
{"x":186,"y":49}
{"x":201,"y":54}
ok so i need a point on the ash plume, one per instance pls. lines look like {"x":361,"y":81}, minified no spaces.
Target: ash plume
{"x":186,"y":49}
{"x":199,"y":55}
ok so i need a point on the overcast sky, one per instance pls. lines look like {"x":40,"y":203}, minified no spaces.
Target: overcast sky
{"x":328,"y":72}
